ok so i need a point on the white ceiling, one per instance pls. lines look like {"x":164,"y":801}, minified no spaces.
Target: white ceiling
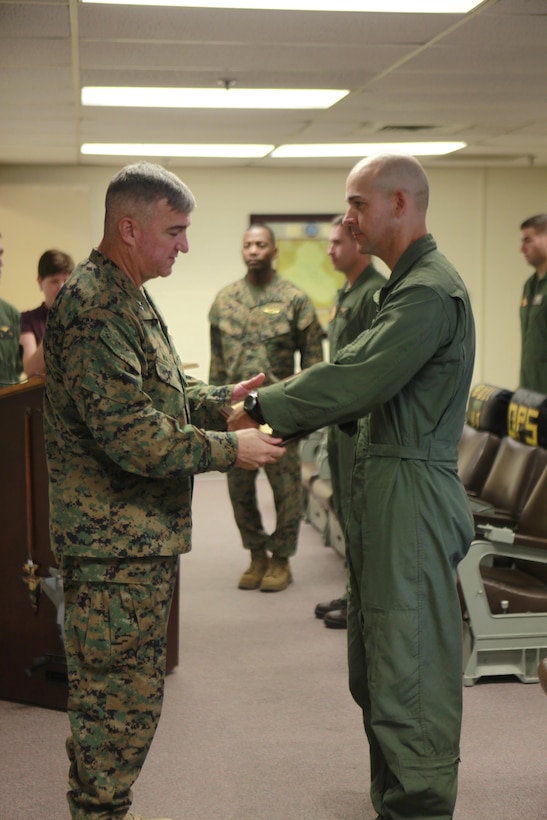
{"x":480,"y":77}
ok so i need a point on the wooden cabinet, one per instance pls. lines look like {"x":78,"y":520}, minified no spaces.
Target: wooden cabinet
{"x":31,"y":653}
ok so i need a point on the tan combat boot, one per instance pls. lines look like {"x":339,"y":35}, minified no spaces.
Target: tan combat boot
{"x":278,"y":576}
{"x":252,"y":577}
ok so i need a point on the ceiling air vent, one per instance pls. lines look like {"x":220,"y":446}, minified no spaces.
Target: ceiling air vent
{"x":407,"y":128}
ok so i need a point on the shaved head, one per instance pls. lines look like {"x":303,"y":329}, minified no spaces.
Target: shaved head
{"x":387,"y":197}
{"x":397,"y":172}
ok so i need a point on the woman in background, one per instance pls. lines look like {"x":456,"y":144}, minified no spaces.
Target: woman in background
{"x":54,"y":268}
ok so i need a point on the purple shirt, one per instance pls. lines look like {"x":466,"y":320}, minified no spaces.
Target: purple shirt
{"x":34,"y":321}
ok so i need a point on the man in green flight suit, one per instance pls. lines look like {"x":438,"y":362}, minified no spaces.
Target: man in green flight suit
{"x":258,"y":324}
{"x":407,"y":380}
{"x":11,"y":354}
{"x":124,"y":431}
{"x":353,"y":312}
{"x":533,"y":307}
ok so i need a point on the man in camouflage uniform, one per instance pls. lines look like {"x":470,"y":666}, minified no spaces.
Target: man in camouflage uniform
{"x":353,"y":313}
{"x":257,"y":325}
{"x":124,"y":437}
{"x":406,"y":379}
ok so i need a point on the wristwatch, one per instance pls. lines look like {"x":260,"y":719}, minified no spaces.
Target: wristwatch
{"x":252,"y":407}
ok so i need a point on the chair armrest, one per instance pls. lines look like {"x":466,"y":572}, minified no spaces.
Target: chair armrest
{"x":502,"y":535}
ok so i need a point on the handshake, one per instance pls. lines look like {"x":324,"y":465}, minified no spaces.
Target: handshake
{"x":256,"y":445}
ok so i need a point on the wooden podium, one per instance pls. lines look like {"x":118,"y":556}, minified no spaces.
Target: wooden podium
{"x":31,"y":653}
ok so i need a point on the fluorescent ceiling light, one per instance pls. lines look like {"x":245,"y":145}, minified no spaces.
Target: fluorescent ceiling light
{"x":390,"y":6}
{"x":240,"y":151}
{"x":365,"y":149}
{"x":298,"y":98}
{"x":175,"y":150}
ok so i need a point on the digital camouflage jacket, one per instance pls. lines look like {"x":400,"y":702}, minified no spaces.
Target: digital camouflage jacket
{"x":251,"y":334}
{"x":124,"y":427}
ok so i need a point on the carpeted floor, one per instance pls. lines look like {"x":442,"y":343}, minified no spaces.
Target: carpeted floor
{"x":258,"y":723}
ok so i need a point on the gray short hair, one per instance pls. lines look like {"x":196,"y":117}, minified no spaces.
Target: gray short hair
{"x":144,"y":184}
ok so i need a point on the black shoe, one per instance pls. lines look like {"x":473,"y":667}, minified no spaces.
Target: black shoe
{"x":337,"y":619}
{"x":322,"y":609}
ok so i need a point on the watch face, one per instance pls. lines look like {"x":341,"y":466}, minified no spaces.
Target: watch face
{"x":250,"y":401}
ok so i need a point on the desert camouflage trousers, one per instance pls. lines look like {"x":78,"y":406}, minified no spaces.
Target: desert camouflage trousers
{"x":285,"y":481}
{"x":115,"y":641}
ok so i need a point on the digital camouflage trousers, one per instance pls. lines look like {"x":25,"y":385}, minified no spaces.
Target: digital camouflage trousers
{"x":285,"y":481}
{"x":115,"y":641}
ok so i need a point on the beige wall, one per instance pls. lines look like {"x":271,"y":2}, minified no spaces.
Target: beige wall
{"x":474,"y":214}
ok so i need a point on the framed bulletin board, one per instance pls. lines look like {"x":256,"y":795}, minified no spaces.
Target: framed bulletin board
{"x":303,"y":242}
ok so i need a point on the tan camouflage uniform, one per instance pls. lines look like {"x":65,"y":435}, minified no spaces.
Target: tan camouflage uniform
{"x":122,"y":444}
{"x":256,"y":329}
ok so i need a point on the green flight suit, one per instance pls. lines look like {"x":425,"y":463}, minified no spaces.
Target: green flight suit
{"x":407,"y":379}
{"x":353,"y":312}
{"x":533,"y":328}
{"x":123,"y":444}
{"x":259,"y":329}
{"x":11,"y":361}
